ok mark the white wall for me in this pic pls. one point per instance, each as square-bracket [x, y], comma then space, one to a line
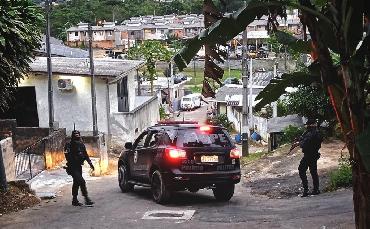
[99, 35]
[131, 93]
[70, 106]
[73, 37]
[126, 126]
[75, 106]
[261, 124]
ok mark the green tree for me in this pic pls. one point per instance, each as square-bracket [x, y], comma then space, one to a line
[335, 26]
[311, 102]
[151, 52]
[20, 30]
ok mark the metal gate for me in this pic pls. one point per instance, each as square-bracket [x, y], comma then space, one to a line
[30, 161]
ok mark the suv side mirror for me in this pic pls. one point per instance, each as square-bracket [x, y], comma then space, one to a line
[128, 145]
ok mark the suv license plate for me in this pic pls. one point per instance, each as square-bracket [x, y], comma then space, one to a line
[209, 158]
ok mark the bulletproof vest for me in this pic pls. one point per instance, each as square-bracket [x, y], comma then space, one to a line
[312, 142]
[77, 152]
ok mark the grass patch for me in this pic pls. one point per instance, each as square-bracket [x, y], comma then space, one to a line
[196, 89]
[197, 77]
[253, 157]
[342, 176]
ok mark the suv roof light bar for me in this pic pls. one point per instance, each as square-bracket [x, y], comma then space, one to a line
[175, 122]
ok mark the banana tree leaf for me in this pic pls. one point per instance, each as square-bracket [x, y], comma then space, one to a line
[352, 26]
[358, 58]
[228, 27]
[328, 29]
[276, 87]
[363, 146]
[297, 45]
[223, 30]
[207, 90]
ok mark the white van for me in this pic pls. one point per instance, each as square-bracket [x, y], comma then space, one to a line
[190, 102]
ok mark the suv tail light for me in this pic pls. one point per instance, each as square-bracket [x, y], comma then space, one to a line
[174, 153]
[235, 153]
[205, 128]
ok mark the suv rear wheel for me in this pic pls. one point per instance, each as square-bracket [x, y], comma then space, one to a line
[161, 193]
[123, 178]
[223, 192]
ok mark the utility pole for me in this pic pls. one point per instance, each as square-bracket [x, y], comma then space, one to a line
[251, 124]
[195, 73]
[228, 59]
[244, 131]
[49, 69]
[274, 104]
[92, 75]
[168, 86]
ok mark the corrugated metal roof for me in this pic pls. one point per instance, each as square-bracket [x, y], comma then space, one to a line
[278, 124]
[80, 66]
[59, 49]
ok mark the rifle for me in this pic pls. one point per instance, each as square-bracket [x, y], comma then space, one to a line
[294, 145]
[296, 141]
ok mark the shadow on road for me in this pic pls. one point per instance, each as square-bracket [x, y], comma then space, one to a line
[183, 198]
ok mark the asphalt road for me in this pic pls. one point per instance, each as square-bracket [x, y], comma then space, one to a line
[198, 115]
[114, 209]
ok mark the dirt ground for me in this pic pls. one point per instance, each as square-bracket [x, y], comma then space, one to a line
[18, 197]
[275, 175]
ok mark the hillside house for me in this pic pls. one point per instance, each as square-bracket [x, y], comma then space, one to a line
[121, 114]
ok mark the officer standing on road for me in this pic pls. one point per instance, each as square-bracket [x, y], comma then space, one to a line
[75, 153]
[310, 142]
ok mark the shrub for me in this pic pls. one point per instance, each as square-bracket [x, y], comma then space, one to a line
[162, 113]
[338, 131]
[222, 120]
[290, 133]
[342, 176]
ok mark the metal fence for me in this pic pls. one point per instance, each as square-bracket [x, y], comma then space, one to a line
[30, 161]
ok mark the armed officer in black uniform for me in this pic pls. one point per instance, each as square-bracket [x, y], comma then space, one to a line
[76, 155]
[310, 142]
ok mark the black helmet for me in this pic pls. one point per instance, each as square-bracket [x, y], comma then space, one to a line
[311, 121]
[76, 135]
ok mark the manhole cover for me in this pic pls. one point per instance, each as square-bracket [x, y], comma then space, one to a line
[166, 215]
[169, 214]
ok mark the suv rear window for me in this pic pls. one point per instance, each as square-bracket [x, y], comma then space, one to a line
[194, 137]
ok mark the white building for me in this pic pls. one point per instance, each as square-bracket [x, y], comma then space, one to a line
[121, 114]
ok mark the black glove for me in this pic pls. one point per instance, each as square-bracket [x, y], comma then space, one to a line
[92, 167]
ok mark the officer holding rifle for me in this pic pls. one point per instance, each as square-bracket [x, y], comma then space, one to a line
[310, 142]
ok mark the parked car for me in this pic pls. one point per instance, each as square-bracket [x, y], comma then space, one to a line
[179, 77]
[176, 156]
[190, 102]
[262, 54]
[232, 80]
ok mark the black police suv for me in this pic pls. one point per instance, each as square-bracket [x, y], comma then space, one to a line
[175, 156]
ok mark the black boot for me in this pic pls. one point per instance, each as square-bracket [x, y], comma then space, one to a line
[315, 192]
[88, 201]
[75, 202]
[305, 193]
